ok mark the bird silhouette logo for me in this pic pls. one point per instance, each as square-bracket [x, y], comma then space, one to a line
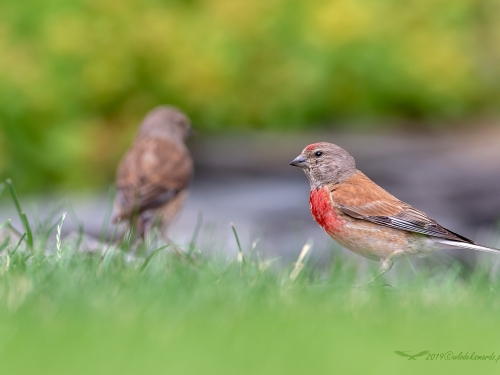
[410, 356]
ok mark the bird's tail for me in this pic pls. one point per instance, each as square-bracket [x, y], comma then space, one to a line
[466, 245]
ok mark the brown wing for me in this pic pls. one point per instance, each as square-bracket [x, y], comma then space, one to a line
[360, 198]
[152, 173]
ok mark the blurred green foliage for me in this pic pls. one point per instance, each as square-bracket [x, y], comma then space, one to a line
[76, 76]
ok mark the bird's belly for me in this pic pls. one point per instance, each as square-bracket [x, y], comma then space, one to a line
[370, 240]
[377, 242]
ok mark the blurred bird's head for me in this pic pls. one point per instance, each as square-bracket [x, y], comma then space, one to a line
[325, 163]
[166, 122]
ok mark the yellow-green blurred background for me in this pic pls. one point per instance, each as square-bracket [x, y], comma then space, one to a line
[76, 76]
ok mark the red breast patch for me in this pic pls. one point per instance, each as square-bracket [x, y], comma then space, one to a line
[323, 211]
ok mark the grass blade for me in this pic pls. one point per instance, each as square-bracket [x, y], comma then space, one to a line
[199, 223]
[14, 230]
[4, 244]
[58, 237]
[412, 267]
[22, 215]
[150, 256]
[299, 264]
[11, 253]
[49, 231]
[6, 222]
[112, 238]
[78, 224]
[107, 215]
[241, 259]
[29, 233]
[14, 196]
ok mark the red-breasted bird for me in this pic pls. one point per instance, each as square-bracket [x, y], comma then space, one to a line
[363, 217]
[153, 176]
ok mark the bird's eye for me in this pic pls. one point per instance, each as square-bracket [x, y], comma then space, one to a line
[318, 153]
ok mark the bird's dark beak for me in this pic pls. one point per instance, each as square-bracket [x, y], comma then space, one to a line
[190, 132]
[300, 162]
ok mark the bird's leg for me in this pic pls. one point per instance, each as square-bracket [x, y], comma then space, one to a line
[134, 238]
[140, 226]
[161, 224]
[385, 265]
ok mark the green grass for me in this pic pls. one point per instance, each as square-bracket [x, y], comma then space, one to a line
[64, 311]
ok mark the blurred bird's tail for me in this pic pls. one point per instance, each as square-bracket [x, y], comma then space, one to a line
[466, 245]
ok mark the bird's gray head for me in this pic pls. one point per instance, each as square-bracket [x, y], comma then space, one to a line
[325, 163]
[166, 122]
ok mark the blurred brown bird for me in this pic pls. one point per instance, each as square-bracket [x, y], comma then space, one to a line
[153, 176]
[363, 217]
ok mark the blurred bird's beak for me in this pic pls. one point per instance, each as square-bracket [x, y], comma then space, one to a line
[300, 162]
[191, 132]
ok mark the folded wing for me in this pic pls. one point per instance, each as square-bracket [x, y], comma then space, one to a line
[151, 174]
[361, 198]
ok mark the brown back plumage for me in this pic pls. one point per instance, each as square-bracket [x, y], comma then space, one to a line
[158, 166]
[361, 198]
